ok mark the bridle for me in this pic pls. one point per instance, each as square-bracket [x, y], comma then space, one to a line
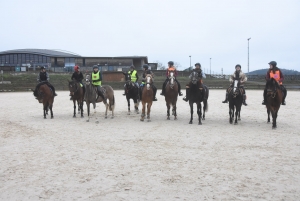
[71, 85]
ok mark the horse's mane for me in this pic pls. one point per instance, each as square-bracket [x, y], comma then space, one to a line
[272, 83]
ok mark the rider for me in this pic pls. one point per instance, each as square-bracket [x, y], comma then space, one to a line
[78, 76]
[134, 77]
[146, 72]
[169, 70]
[201, 75]
[237, 75]
[275, 72]
[43, 78]
[96, 81]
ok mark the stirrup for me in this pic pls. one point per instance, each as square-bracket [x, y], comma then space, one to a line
[244, 103]
[263, 103]
[180, 93]
[162, 94]
[283, 103]
[225, 101]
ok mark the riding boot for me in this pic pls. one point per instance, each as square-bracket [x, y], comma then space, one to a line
[163, 88]
[284, 94]
[244, 100]
[226, 98]
[179, 88]
[154, 93]
[265, 97]
[102, 96]
[187, 94]
[124, 94]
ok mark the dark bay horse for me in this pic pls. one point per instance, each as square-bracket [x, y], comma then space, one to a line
[77, 92]
[91, 96]
[235, 98]
[131, 92]
[195, 96]
[147, 97]
[171, 94]
[45, 95]
[274, 100]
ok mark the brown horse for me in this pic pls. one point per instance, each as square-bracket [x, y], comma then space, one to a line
[45, 95]
[147, 97]
[274, 100]
[171, 95]
[77, 93]
[91, 96]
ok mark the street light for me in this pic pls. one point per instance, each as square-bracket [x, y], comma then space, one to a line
[248, 53]
[210, 65]
[190, 63]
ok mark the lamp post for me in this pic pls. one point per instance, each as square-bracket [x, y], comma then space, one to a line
[190, 63]
[210, 65]
[248, 53]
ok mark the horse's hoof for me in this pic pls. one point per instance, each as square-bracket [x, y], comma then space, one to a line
[45, 118]
[137, 112]
[175, 118]
[149, 120]
[274, 127]
[112, 117]
[74, 116]
[105, 117]
[203, 118]
[200, 123]
[87, 120]
[235, 123]
[168, 118]
[52, 117]
[239, 119]
[128, 113]
[142, 119]
[82, 116]
[190, 122]
[230, 122]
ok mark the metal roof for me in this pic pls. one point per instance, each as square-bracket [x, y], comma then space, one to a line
[44, 52]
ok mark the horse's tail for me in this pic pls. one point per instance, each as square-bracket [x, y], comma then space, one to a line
[112, 104]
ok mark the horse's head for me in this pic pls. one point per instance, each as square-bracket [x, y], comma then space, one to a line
[194, 77]
[73, 86]
[272, 86]
[127, 77]
[149, 81]
[88, 80]
[171, 78]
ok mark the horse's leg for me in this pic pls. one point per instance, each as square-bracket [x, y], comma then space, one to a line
[204, 108]
[128, 104]
[81, 108]
[44, 109]
[191, 108]
[168, 110]
[230, 114]
[268, 112]
[106, 108]
[199, 112]
[174, 111]
[136, 109]
[78, 105]
[148, 111]
[74, 102]
[274, 116]
[50, 107]
[236, 115]
[88, 110]
[143, 111]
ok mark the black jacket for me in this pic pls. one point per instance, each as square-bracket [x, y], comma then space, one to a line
[77, 77]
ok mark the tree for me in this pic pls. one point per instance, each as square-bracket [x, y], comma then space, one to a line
[160, 66]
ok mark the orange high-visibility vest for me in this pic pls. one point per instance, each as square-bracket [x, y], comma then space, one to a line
[276, 76]
[170, 70]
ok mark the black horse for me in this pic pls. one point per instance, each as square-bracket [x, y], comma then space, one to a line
[131, 92]
[196, 96]
[235, 98]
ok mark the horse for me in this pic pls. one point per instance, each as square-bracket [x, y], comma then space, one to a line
[78, 95]
[92, 96]
[45, 95]
[147, 97]
[274, 100]
[195, 96]
[171, 94]
[131, 92]
[235, 98]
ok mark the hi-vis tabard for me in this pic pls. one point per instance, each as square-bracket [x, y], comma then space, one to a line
[96, 76]
[276, 76]
[133, 75]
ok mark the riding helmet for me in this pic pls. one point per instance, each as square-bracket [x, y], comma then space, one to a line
[171, 63]
[95, 67]
[132, 66]
[238, 65]
[42, 67]
[273, 63]
[145, 66]
[76, 68]
[198, 64]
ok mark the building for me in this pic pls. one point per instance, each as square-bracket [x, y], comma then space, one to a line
[62, 61]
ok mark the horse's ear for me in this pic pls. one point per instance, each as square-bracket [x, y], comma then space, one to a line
[124, 73]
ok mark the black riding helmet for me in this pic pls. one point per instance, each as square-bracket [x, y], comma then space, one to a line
[198, 64]
[95, 67]
[132, 66]
[171, 63]
[238, 65]
[43, 67]
[145, 66]
[273, 63]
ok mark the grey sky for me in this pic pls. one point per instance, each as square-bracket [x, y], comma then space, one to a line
[163, 30]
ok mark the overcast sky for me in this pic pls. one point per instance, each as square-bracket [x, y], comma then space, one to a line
[163, 30]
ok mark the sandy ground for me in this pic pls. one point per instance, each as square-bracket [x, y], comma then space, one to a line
[68, 158]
